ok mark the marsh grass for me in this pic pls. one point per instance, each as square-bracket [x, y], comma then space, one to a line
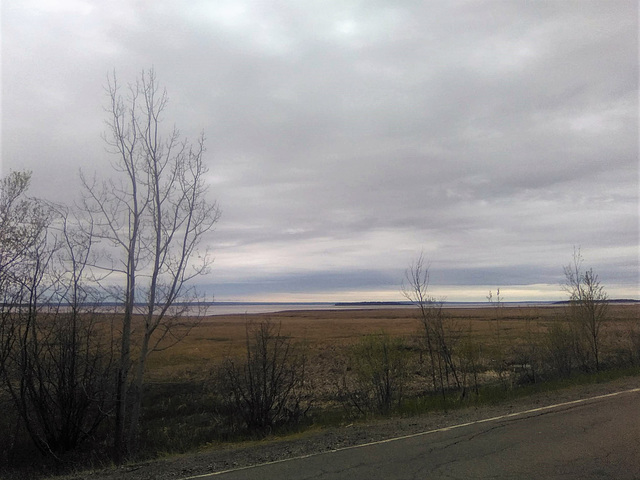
[184, 409]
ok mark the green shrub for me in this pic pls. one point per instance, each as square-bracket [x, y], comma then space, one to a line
[378, 365]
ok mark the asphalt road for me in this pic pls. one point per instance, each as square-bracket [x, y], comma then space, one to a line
[593, 439]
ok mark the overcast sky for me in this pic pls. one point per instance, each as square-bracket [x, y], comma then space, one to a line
[346, 137]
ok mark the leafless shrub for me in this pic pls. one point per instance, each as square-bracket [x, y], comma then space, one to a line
[268, 389]
[59, 376]
[441, 334]
[55, 366]
[588, 311]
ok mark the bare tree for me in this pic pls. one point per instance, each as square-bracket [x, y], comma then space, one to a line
[588, 305]
[440, 334]
[23, 222]
[415, 288]
[54, 367]
[153, 217]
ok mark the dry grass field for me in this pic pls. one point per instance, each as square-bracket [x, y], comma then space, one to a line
[187, 407]
[325, 333]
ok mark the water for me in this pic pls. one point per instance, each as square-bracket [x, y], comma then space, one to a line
[248, 308]
[241, 308]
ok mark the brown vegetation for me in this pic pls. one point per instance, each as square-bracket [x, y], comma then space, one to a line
[189, 406]
[326, 333]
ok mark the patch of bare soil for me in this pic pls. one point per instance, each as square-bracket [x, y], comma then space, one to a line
[272, 449]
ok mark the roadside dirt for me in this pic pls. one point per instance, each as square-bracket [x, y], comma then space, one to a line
[190, 466]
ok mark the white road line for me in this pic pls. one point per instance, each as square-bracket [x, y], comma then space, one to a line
[419, 434]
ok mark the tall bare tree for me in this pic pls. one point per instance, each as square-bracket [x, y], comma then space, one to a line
[153, 216]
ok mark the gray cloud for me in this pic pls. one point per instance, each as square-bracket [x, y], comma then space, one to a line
[349, 136]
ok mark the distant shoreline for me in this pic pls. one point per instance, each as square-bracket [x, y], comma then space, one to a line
[231, 308]
[249, 308]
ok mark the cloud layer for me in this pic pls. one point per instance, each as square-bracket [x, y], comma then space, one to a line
[345, 138]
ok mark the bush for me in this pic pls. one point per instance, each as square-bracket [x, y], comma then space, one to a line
[268, 389]
[588, 311]
[560, 345]
[378, 374]
[58, 376]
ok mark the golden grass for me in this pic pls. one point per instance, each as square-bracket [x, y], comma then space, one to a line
[326, 332]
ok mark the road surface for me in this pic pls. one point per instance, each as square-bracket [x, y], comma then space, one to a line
[587, 439]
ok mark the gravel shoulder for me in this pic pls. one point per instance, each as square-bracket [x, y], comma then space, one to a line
[184, 466]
